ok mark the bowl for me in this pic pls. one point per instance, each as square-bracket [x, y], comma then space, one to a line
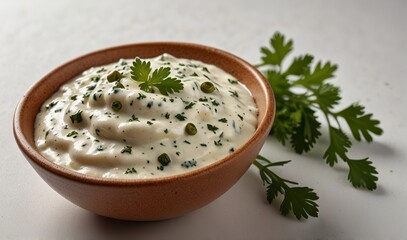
[148, 199]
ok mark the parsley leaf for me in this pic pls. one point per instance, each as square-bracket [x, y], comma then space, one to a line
[362, 173]
[360, 123]
[301, 201]
[339, 145]
[306, 132]
[159, 78]
[303, 95]
[281, 47]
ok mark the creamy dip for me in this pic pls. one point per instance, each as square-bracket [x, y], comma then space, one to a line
[113, 129]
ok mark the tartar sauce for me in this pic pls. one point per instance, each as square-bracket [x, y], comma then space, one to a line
[102, 124]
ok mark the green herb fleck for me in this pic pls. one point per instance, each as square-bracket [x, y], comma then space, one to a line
[188, 164]
[212, 128]
[189, 106]
[118, 85]
[180, 117]
[130, 170]
[141, 96]
[215, 103]
[224, 120]
[218, 143]
[234, 94]
[51, 104]
[134, 118]
[126, 149]
[77, 117]
[73, 134]
[231, 81]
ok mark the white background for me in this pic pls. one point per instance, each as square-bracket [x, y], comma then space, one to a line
[367, 39]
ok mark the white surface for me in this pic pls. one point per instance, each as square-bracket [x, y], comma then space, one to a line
[367, 39]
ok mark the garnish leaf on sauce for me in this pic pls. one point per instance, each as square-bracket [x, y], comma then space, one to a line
[141, 71]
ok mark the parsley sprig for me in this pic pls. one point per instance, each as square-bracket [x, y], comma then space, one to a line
[159, 78]
[301, 91]
[299, 200]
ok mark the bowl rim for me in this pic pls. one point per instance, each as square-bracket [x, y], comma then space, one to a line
[30, 151]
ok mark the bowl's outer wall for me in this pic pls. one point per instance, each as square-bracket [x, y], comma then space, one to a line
[159, 199]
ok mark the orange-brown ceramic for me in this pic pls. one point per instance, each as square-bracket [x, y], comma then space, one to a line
[151, 199]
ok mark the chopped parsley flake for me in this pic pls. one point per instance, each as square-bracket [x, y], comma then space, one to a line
[134, 118]
[73, 134]
[51, 104]
[77, 117]
[189, 106]
[234, 94]
[218, 143]
[126, 149]
[180, 117]
[224, 120]
[188, 164]
[141, 96]
[130, 170]
[231, 81]
[212, 128]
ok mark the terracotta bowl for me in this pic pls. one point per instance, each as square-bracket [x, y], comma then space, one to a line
[151, 199]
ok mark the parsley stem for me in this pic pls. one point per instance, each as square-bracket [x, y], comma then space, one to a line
[260, 65]
[272, 176]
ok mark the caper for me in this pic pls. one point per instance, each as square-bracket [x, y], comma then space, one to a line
[116, 106]
[207, 87]
[190, 129]
[114, 76]
[164, 159]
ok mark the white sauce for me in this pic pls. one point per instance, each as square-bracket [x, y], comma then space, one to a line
[99, 145]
